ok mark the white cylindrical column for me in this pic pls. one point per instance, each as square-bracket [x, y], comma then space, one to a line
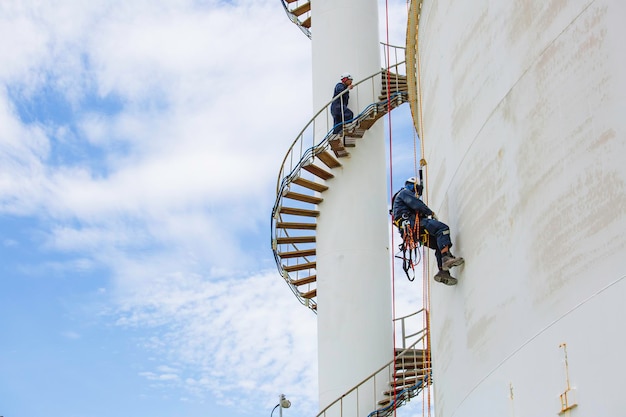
[353, 264]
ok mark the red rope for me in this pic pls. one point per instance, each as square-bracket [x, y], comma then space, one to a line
[393, 269]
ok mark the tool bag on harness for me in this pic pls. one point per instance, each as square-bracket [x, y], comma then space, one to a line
[409, 246]
[412, 239]
[412, 236]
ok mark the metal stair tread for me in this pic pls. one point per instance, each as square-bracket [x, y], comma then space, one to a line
[309, 294]
[354, 133]
[299, 267]
[411, 365]
[318, 172]
[312, 185]
[409, 381]
[349, 142]
[411, 373]
[303, 197]
[410, 359]
[303, 281]
[297, 253]
[328, 159]
[302, 9]
[410, 352]
[295, 239]
[338, 147]
[299, 212]
[296, 225]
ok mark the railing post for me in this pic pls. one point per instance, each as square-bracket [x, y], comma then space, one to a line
[403, 334]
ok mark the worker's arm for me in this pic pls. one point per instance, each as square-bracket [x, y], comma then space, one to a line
[416, 204]
[339, 88]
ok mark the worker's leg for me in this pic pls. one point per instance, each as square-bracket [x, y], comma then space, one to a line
[431, 243]
[337, 122]
[347, 114]
[441, 276]
[440, 231]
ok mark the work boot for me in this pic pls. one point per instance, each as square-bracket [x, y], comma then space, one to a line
[445, 278]
[448, 260]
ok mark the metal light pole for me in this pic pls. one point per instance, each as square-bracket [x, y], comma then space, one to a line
[282, 403]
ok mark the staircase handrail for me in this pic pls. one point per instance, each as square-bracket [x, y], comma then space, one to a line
[388, 66]
[324, 141]
[404, 336]
[386, 49]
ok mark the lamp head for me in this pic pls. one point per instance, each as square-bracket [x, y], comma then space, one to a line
[284, 403]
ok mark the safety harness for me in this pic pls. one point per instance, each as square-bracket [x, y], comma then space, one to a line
[412, 237]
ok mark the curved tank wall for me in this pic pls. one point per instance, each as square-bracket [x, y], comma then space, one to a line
[524, 133]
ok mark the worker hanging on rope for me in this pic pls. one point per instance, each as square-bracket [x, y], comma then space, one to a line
[406, 207]
[339, 107]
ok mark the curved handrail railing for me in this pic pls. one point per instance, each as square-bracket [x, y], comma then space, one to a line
[393, 56]
[370, 384]
[329, 126]
[323, 144]
[404, 333]
[296, 20]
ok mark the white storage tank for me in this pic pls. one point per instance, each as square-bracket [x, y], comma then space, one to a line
[525, 137]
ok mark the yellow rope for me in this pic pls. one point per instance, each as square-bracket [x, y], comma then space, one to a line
[414, 64]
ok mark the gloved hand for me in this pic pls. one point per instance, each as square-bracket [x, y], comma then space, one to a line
[433, 216]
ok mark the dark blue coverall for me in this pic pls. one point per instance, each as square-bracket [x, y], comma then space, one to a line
[339, 107]
[407, 206]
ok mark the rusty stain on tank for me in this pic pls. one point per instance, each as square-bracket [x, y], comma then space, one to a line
[479, 332]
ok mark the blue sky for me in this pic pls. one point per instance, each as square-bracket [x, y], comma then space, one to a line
[139, 147]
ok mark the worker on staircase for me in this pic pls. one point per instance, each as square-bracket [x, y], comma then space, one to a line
[407, 206]
[339, 107]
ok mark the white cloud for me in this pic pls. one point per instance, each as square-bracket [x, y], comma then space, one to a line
[205, 96]
[71, 335]
[226, 336]
[7, 243]
[159, 377]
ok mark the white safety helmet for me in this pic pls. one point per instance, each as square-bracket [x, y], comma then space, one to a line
[346, 75]
[412, 180]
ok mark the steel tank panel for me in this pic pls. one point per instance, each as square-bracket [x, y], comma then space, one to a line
[526, 153]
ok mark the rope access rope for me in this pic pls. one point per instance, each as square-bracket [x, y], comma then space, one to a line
[393, 286]
[423, 165]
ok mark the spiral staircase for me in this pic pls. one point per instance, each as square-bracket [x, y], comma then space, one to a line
[305, 174]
